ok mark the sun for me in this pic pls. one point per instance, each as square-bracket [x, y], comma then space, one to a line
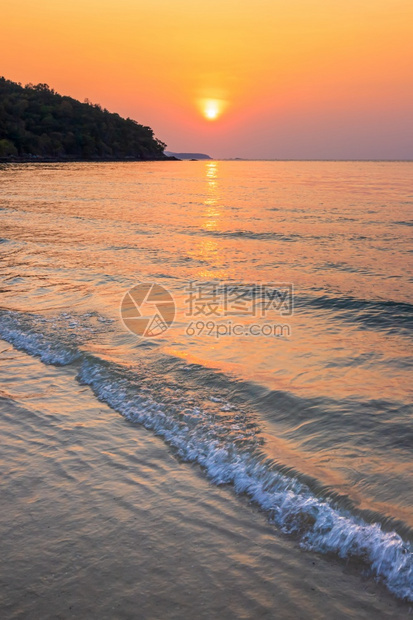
[211, 108]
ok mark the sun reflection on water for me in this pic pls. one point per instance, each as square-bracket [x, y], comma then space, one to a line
[209, 250]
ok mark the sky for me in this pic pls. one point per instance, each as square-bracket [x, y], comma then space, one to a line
[283, 79]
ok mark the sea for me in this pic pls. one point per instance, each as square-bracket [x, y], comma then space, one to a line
[205, 395]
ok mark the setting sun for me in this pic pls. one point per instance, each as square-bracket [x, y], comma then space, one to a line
[211, 109]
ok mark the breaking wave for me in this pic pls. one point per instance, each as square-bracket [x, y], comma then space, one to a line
[226, 443]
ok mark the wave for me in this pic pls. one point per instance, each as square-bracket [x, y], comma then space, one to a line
[246, 234]
[404, 222]
[36, 334]
[389, 315]
[38, 345]
[226, 443]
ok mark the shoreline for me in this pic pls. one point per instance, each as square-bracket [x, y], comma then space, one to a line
[64, 160]
[61, 160]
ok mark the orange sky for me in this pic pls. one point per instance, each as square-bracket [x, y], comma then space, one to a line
[286, 78]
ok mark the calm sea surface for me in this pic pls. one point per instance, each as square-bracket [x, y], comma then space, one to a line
[304, 432]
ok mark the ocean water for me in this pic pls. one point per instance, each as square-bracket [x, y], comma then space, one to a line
[305, 425]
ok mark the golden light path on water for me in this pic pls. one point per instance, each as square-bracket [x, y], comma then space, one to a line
[207, 249]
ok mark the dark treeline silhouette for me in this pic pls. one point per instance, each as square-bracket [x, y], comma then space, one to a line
[36, 123]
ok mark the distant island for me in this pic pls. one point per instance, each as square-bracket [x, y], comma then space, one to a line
[38, 124]
[187, 155]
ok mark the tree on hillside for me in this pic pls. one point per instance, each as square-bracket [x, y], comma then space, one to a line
[37, 122]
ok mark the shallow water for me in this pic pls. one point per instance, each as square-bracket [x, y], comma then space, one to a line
[314, 425]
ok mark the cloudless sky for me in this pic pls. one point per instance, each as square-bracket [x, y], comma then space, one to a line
[280, 78]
